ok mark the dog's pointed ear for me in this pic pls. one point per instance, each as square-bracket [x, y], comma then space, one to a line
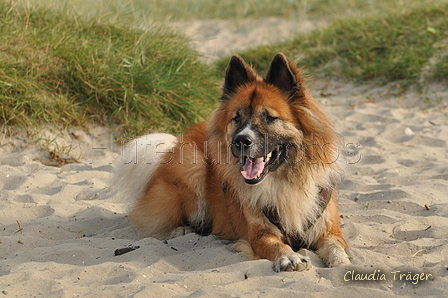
[281, 75]
[238, 73]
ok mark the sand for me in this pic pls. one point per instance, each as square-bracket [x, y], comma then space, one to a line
[218, 38]
[60, 225]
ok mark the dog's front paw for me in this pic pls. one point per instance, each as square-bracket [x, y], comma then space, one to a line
[292, 262]
[338, 258]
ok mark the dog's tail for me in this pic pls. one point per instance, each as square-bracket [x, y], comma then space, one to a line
[137, 162]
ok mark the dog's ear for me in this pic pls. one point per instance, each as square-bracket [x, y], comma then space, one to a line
[238, 73]
[281, 75]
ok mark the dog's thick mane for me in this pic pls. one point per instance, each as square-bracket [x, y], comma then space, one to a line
[288, 193]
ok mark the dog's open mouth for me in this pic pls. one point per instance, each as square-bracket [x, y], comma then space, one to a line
[256, 169]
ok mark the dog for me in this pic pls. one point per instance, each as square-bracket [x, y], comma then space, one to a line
[263, 171]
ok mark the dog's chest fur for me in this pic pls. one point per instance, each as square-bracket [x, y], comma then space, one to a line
[291, 207]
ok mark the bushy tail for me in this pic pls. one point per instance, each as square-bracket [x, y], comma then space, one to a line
[137, 162]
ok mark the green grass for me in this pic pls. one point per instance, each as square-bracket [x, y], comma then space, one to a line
[78, 62]
[440, 69]
[164, 11]
[391, 47]
[59, 69]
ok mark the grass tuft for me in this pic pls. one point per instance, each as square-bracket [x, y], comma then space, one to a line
[59, 69]
[393, 47]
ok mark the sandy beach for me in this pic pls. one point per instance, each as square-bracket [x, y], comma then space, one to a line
[61, 224]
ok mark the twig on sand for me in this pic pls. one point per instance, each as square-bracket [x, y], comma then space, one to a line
[20, 228]
[420, 253]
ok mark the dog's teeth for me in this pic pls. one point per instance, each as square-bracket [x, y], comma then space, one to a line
[269, 155]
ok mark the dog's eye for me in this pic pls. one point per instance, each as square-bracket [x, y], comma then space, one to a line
[236, 118]
[270, 118]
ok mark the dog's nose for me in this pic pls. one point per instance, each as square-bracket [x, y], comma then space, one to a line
[243, 139]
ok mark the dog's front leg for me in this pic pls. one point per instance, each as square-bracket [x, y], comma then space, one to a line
[266, 242]
[331, 245]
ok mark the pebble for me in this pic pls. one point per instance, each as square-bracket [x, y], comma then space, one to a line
[409, 131]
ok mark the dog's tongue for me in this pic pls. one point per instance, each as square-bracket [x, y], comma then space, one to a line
[252, 167]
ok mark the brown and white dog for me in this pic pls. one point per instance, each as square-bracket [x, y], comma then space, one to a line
[262, 171]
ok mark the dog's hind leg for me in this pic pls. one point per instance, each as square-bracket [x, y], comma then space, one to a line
[158, 212]
[168, 203]
[173, 195]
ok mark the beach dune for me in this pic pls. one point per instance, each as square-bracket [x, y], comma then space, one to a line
[61, 222]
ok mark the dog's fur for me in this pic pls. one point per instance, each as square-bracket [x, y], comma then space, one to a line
[263, 171]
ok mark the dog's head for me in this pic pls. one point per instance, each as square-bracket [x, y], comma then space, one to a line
[271, 121]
